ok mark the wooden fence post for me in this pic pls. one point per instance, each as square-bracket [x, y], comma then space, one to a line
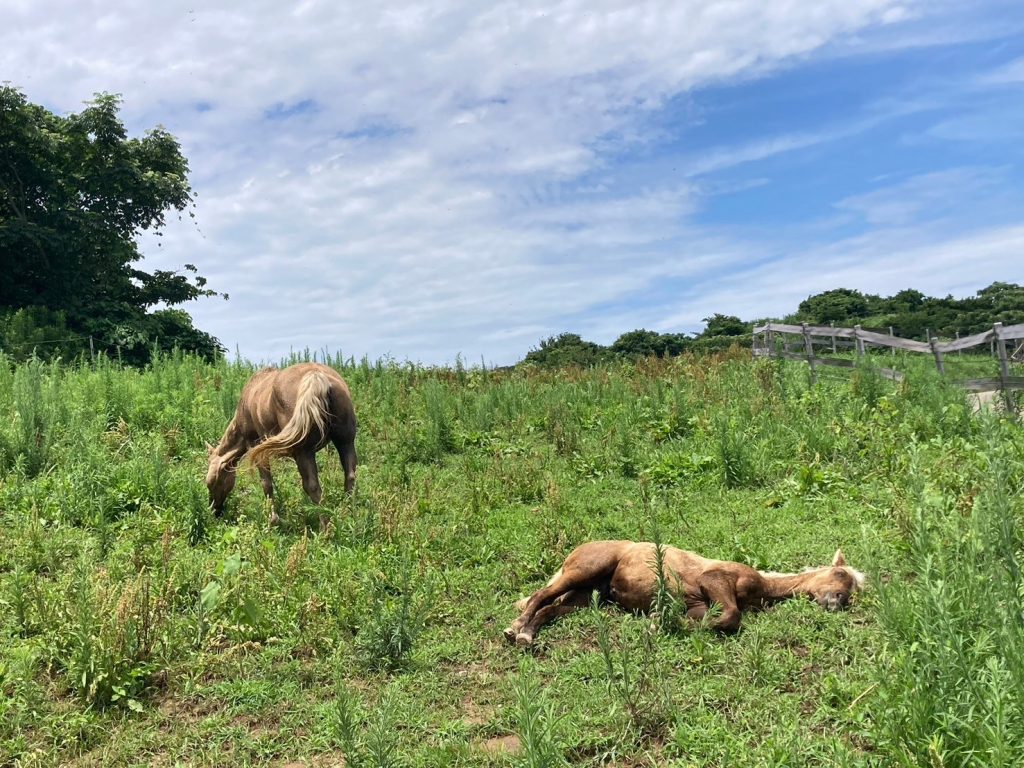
[858, 340]
[1004, 363]
[933, 342]
[959, 352]
[833, 324]
[892, 350]
[1004, 367]
[809, 350]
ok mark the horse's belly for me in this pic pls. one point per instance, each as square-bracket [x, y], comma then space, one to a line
[632, 587]
[634, 582]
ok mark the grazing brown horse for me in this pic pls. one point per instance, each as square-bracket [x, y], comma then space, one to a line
[624, 573]
[290, 412]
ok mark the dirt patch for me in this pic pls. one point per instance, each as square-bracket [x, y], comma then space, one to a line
[475, 714]
[502, 744]
[256, 725]
[332, 760]
[478, 672]
[185, 710]
[991, 401]
[985, 401]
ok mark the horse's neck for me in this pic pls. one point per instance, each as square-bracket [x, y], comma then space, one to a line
[232, 444]
[781, 586]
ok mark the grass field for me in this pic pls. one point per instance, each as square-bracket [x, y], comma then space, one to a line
[139, 630]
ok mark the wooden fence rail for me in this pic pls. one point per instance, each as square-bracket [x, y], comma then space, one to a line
[770, 340]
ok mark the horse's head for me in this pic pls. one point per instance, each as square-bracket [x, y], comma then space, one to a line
[220, 479]
[831, 587]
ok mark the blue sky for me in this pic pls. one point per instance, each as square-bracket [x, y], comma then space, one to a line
[424, 180]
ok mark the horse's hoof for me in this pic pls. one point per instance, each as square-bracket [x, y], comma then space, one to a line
[510, 634]
[275, 521]
[524, 640]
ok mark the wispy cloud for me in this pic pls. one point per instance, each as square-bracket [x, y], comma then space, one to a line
[1011, 73]
[927, 196]
[424, 179]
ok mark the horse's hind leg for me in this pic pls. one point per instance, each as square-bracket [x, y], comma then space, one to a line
[571, 601]
[267, 481]
[589, 565]
[560, 584]
[306, 462]
[347, 453]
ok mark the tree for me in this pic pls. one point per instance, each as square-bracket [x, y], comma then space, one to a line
[75, 193]
[1002, 297]
[644, 343]
[566, 349]
[907, 300]
[725, 325]
[673, 344]
[36, 329]
[837, 305]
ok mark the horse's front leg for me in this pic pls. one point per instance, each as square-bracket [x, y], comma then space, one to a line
[306, 462]
[267, 481]
[720, 588]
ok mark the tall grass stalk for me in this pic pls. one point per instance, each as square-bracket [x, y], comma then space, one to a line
[633, 675]
[367, 739]
[394, 624]
[536, 722]
[666, 609]
[735, 455]
[953, 691]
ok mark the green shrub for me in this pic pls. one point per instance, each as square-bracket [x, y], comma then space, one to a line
[389, 634]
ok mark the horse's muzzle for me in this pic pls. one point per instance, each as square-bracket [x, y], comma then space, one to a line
[834, 601]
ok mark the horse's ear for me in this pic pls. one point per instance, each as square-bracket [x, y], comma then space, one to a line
[209, 448]
[838, 560]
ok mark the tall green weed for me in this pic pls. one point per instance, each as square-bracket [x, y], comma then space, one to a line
[952, 689]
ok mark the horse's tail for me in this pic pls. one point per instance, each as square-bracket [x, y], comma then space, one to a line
[312, 405]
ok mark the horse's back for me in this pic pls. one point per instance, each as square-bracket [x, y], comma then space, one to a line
[269, 397]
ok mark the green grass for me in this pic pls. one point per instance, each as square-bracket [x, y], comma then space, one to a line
[137, 629]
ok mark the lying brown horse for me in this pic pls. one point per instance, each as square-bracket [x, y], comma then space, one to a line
[290, 412]
[624, 572]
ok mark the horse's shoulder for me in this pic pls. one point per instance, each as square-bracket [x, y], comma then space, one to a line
[260, 377]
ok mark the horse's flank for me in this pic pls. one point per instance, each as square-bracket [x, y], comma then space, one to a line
[308, 420]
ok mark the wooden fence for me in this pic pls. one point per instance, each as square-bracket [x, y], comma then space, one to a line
[776, 340]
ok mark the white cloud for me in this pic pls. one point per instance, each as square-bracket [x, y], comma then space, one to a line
[882, 262]
[419, 178]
